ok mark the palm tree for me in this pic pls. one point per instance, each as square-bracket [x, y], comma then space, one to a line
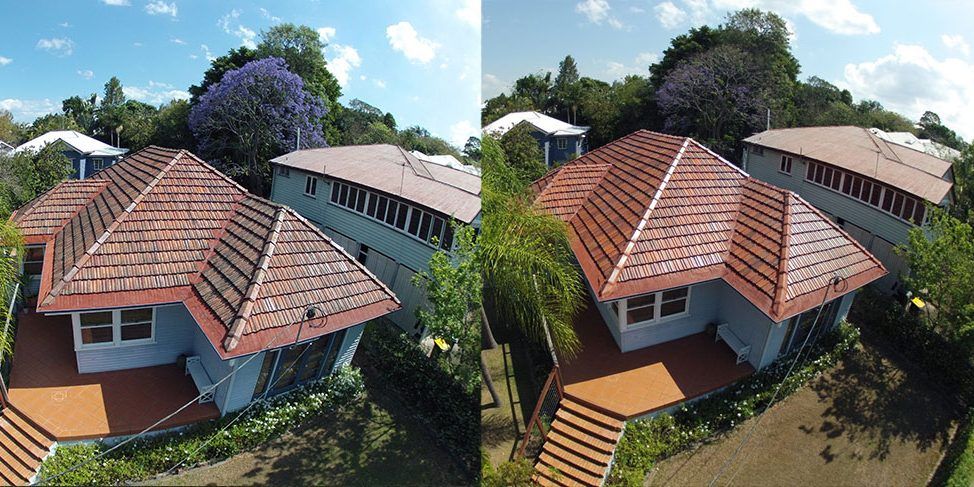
[529, 273]
[11, 250]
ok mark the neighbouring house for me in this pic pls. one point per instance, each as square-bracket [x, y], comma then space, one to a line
[158, 260]
[446, 160]
[697, 274]
[874, 189]
[907, 139]
[385, 206]
[5, 148]
[559, 141]
[87, 155]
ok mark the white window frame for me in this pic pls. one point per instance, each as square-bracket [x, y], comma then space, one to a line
[790, 164]
[24, 261]
[311, 182]
[284, 171]
[97, 164]
[116, 326]
[561, 143]
[874, 184]
[622, 310]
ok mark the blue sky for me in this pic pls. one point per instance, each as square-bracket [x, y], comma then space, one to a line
[419, 59]
[910, 56]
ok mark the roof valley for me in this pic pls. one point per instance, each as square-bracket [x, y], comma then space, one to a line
[78, 264]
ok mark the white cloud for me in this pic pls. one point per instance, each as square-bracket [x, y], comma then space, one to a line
[117, 3]
[836, 16]
[86, 73]
[5, 61]
[326, 33]
[158, 7]
[155, 93]
[469, 13]
[176, 40]
[60, 46]
[137, 44]
[461, 131]
[404, 38]
[669, 15]
[910, 81]
[379, 83]
[28, 110]
[224, 22]
[206, 52]
[246, 35]
[65, 25]
[491, 85]
[640, 66]
[267, 15]
[957, 42]
[597, 11]
[344, 60]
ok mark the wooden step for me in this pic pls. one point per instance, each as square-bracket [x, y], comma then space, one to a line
[10, 477]
[15, 464]
[584, 438]
[574, 446]
[569, 470]
[23, 447]
[577, 461]
[24, 441]
[543, 475]
[602, 419]
[587, 426]
[39, 437]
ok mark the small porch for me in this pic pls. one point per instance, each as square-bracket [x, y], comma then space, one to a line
[632, 384]
[46, 386]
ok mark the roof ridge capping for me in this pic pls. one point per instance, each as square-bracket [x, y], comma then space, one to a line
[56, 289]
[781, 286]
[250, 298]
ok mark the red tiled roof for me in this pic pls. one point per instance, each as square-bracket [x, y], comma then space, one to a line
[161, 226]
[652, 211]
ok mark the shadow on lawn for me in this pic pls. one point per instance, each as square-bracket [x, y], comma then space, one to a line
[877, 398]
[372, 443]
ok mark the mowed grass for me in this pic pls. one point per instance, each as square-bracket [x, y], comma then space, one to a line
[375, 442]
[874, 420]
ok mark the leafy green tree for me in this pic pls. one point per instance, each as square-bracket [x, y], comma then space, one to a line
[453, 287]
[522, 153]
[537, 88]
[525, 256]
[171, 126]
[418, 138]
[110, 110]
[27, 174]
[932, 128]
[12, 244]
[233, 59]
[963, 207]
[566, 90]
[50, 122]
[137, 124]
[10, 132]
[503, 104]
[941, 258]
[683, 47]
[301, 48]
[82, 111]
[472, 148]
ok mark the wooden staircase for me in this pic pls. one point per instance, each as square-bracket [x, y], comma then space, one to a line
[578, 448]
[23, 446]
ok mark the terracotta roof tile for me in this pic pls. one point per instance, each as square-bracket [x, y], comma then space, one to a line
[652, 211]
[162, 226]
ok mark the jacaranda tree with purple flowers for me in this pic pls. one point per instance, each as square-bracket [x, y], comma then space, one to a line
[253, 114]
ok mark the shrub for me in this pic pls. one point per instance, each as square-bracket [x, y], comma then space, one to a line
[146, 457]
[449, 412]
[647, 441]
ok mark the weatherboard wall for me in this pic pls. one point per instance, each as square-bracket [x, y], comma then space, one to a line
[348, 347]
[174, 336]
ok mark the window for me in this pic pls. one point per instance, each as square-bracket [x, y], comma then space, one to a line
[785, 165]
[757, 150]
[289, 366]
[311, 186]
[265, 371]
[33, 260]
[114, 328]
[284, 171]
[886, 199]
[656, 306]
[363, 254]
[97, 164]
[561, 143]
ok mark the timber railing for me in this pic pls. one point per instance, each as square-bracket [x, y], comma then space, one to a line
[11, 310]
[544, 413]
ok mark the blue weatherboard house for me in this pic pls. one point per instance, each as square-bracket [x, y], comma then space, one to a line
[87, 155]
[559, 141]
[386, 207]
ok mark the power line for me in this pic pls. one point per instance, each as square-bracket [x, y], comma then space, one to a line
[177, 411]
[832, 283]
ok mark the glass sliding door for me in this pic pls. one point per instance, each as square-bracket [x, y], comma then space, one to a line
[298, 364]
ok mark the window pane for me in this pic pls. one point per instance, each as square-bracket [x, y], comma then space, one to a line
[373, 201]
[447, 242]
[34, 253]
[380, 210]
[867, 188]
[908, 208]
[675, 293]
[401, 218]
[391, 214]
[827, 180]
[101, 334]
[810, 171]
[33, 268]
[918, 214]
[898, 204]
[646, 300]
[673, 307]
[287, 368]
[352, 197]
[136, 332]
[136, 315]
[335, 191]
[344, 199]
[887, 200]
[414, 222]
[314, 358]
[836, 180]
[424, 228]
[819, 173]
[876, 195]
[265, 372]
[856, 187]
[360, 204]
[95, 319]
[436, 232]
[333, 352]
[847, 184]
[640, 314]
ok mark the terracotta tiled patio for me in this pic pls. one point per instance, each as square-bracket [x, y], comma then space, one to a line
[45, 385]
[628, 385]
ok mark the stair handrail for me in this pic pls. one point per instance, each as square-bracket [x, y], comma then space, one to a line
[535, 421]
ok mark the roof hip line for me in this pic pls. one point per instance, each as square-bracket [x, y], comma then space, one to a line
[56, 290]
[645, 219]
[781, 291]
[243, 316]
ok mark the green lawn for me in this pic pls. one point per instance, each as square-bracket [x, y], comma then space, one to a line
[873, 420]
[375, 442]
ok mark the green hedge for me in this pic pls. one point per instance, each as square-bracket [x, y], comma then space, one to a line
[451, 415]
[144, 458]
[948, 363]
[647, 441]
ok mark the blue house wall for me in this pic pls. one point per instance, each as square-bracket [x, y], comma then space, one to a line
[78, 160]
[559, 156]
